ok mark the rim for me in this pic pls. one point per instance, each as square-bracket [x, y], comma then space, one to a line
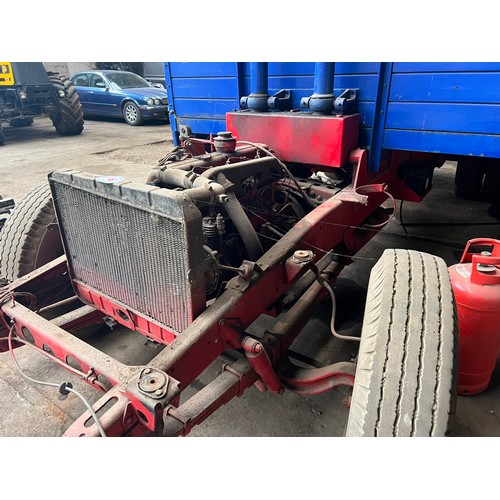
[131, 113]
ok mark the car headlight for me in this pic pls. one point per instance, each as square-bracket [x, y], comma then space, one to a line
[164, 100]
[157, 101]
[149, 102]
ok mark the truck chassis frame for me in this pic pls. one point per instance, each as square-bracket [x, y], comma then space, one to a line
[145, 399]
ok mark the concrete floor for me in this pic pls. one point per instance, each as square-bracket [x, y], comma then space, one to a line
[112, 147]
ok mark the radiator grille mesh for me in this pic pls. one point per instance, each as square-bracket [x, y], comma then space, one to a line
[133, 255]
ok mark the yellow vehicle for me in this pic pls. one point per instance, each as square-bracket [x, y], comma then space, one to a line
[28, 91]
[6, 75]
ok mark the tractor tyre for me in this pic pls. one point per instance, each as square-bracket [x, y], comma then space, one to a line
[68, 120]
[30, 236]
[407, 371]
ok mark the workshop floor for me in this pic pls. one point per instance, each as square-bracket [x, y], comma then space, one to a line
[114, 148]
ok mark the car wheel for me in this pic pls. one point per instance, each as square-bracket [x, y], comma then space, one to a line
[132, 113]
[407, 369]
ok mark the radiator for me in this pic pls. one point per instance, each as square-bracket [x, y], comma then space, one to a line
[139, 245]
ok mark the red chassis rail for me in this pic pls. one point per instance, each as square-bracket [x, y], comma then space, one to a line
[146, 399]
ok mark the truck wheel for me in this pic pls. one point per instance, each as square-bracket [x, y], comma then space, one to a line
[69, 117]
[30, 236]
[469, 177]
[407, 373]
[21, 122]
[491, 182]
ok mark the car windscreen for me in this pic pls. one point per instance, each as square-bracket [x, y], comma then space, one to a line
[127, 81]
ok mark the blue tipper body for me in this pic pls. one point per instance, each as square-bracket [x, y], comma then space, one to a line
[448, 108]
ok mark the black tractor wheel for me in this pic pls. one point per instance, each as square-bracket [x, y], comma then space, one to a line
[68, 120]
[132, 114]
[407, 371]
[30, 236]
[21, 122]
[2, 137]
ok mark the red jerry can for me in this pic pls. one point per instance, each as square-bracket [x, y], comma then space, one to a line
[476, 285]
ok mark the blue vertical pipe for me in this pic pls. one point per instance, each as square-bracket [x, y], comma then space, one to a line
[323, 78]
[257, 100]
[322, 101]
[258, 79]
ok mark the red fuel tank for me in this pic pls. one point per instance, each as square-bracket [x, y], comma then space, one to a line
[476, 284]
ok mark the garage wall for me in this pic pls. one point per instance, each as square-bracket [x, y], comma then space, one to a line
[68, 68]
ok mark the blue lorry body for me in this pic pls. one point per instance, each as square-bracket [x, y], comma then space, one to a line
[452, 108]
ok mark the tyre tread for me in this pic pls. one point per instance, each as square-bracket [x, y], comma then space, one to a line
[21, 234]
[406, 375]
[69, 120]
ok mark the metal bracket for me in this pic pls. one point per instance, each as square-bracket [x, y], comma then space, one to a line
[352, 197]
[347, 102]
[228, 368]
[173, 412]
[185, 131]
[281, 100]
[248, 269]
[231, 332]
[153, 383]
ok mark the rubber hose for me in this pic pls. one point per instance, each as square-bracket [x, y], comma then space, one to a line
[244, 226]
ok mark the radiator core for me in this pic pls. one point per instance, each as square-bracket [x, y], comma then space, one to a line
[139, 245]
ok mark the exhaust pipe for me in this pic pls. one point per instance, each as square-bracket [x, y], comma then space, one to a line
[322, 101]
[257, 100]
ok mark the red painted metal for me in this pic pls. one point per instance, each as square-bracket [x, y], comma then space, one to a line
[317, 380]
[45, 334]
[232, 382]
[116, 414]
[125, 316]
[316, 140]
[259, 359]
[476, 285]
